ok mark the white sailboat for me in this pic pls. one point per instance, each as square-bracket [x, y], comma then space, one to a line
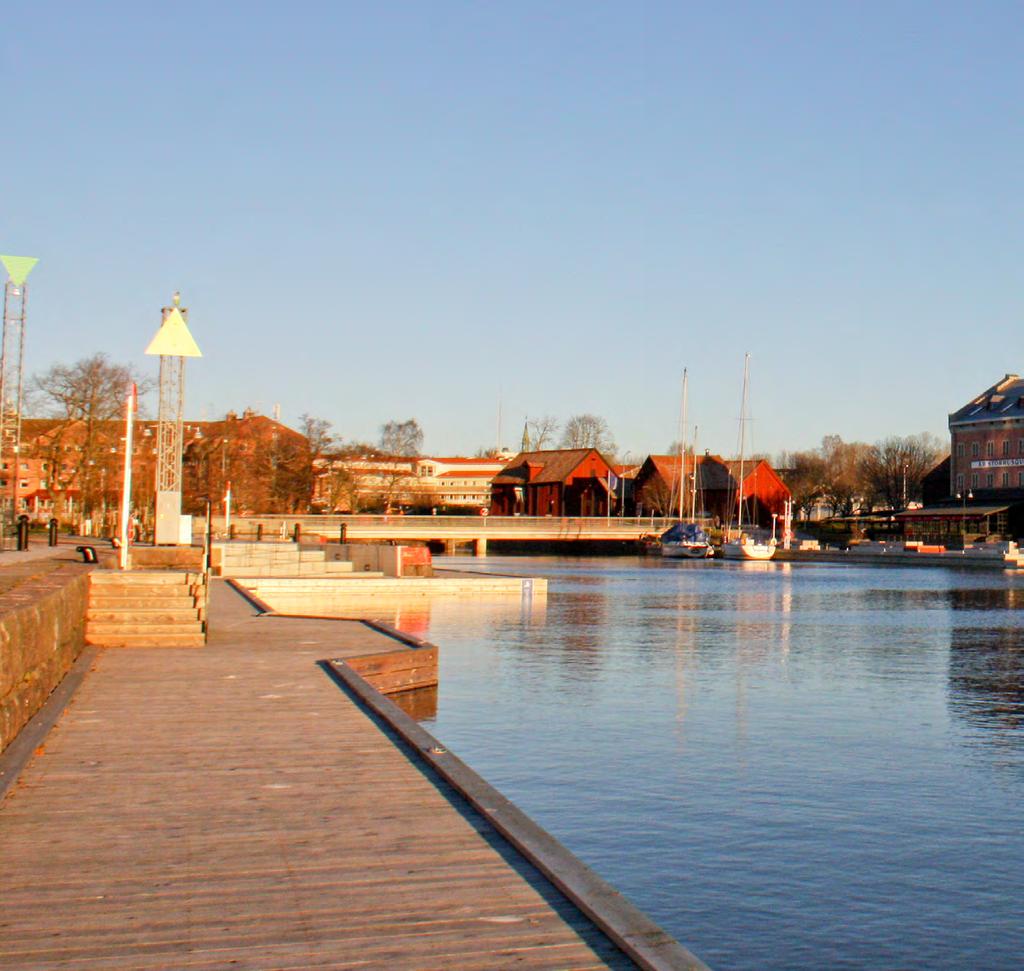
[744, 546]
[686, 540]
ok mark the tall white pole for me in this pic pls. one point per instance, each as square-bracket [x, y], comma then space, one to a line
[682, 448]
[130, 407]
[743, 440]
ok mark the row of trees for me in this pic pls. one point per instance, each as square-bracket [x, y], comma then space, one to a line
[89, 397]
[847, 476]
[579, 431]
[79, 447]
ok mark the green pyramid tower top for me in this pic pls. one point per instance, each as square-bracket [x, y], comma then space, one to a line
[18, 267]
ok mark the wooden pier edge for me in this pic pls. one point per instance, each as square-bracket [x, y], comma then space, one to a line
[17, 755]
[246, 594]
[633, 932]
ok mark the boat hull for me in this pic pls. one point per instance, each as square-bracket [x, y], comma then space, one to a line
[746, 550]
[686, 551]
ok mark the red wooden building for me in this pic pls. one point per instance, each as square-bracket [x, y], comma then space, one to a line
[657, 488]
[559, 482]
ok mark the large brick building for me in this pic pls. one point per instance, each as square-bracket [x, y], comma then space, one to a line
[72, 470]
[985, 478]
[987, 443]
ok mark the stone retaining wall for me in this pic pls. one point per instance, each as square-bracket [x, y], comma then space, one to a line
[42, 632]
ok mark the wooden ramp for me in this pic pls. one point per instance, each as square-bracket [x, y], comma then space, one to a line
[233, 808]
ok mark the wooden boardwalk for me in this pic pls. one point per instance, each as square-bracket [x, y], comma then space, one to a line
[232, 807]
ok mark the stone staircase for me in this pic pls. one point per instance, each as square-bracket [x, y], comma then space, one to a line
[146, 608]
[277, 559]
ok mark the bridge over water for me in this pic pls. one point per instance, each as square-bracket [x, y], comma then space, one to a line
[450, 530]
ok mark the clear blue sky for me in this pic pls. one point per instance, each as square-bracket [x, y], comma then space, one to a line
[390, 210]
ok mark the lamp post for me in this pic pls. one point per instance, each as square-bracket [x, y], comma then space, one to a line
[963, 516]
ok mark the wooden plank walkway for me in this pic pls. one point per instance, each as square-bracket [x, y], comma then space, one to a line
[231, 807]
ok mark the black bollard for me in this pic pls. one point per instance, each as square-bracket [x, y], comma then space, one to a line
[231, 531]
[23, 532]
[342, 532]
[259, 532]
[52, 529]
[297, 534]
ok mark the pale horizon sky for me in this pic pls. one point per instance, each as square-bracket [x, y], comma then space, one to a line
[394, 210]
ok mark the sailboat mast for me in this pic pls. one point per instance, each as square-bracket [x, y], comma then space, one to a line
[743, 439]
[682, 448]
[693, 492]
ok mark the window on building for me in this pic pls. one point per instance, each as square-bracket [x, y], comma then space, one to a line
[1006, 479]
[960, 449]
[1006, 448]
[975, 450]
[1020, 479]
[974, 480]
[23, 484]
[960, 481]
[990, 480]
[990, 449]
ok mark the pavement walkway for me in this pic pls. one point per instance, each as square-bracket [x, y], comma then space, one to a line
[231, 807]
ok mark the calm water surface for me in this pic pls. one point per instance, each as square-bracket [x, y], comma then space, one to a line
[786, 766]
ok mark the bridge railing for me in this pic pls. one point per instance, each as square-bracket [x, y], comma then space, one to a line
[283, 526]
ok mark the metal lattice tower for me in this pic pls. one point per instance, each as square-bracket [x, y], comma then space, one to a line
[12, 377]
[170, 417]
[173, 343]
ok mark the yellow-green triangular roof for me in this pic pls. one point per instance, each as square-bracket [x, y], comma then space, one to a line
[18, 267]
[173, 338]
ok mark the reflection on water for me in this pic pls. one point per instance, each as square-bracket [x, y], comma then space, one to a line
[420, 703]
[788, 766]
[986, 669]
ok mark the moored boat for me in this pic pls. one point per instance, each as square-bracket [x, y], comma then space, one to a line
[744, 546]
[686, 541]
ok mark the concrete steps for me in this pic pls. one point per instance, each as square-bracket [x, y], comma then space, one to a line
[146, 609]
[274, 559]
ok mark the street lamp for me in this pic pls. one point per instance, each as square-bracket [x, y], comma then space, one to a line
[963, 516]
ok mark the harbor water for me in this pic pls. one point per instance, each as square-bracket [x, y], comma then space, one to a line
[787, 766]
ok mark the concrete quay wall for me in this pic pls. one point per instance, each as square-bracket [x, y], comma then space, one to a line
[301, 595]
[42, 632]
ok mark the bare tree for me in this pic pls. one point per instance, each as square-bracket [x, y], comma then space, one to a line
[892, 470]
[588, 431]
[317, 432]
[842, 486]
[86, 398]
[543, 432]
[805, 479]
[401, 438]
